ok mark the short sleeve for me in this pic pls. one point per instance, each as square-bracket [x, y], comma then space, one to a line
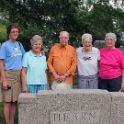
[25, 60]
[3, 52]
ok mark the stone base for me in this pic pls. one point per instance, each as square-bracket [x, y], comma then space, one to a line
[72, 107]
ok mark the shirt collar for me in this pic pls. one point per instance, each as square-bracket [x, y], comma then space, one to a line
[63, 47]
[32, 54]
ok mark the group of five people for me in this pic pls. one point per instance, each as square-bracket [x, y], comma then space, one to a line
[107, 65]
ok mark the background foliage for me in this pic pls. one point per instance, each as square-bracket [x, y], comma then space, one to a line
[48, 17]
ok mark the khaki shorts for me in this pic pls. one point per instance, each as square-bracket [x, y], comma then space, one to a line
[61, 86]
[11, 95]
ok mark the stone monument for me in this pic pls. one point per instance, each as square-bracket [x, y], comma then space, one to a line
[66, 107]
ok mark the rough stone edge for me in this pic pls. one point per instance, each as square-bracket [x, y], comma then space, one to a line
[74, 91]
[27, 98]
[115, 96]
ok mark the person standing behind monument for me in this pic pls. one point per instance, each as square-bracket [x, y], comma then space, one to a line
[87, 64]
[111, 65]
[34, 76]
[11, 53]
[62, 63]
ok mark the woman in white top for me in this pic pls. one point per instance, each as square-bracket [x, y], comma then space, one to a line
[88, 57]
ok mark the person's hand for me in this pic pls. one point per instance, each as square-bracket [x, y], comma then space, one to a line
[122, 87]
[62, 78]
[24, 90]
[48, 88]
[5, 84]
[57, 77]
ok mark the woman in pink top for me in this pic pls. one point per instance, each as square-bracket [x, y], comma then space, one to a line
[111, 65]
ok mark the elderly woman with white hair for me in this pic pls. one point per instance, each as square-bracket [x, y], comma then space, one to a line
[34, 65]
[88, 57]
[111, 65]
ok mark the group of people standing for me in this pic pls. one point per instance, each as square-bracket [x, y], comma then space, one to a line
[27, 72]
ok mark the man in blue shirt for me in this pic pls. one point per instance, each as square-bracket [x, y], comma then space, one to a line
[11, 53]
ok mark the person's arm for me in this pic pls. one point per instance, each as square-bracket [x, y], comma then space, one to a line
[24, 73]
[122, 66]
[50, 66]
[72, 68]
[3, 75]
[50, 60]
[122, 84]
[3, 56]
[23, 79]
[98, 61]
[47, 81]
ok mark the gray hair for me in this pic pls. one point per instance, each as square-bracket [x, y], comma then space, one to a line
[36, 38]
[86, 35]
[64, 32]
[111, 35]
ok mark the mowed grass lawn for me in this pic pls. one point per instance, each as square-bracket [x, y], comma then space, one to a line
[2, 121]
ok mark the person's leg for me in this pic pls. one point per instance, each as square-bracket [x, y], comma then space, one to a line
[93, 83]
[12, 112]
[103, 84]
[82, 83]
[31, 88]
[41, 87]
[7, 112]
[115, 84]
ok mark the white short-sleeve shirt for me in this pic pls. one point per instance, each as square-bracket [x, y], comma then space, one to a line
[87, 61]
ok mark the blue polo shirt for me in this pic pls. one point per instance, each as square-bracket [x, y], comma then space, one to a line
[11, 53]
[36, 68]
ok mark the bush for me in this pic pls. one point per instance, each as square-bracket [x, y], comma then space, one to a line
[3, 34]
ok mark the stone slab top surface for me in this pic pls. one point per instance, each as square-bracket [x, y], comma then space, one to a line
[27, 98]
[117, 94]
[74, 91]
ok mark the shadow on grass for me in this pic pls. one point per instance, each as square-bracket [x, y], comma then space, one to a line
[2, 120]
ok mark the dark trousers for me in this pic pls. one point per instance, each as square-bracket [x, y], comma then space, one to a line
[112, 85]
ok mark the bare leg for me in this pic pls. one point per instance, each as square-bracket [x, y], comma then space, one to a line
[12, 112]
[7, 112]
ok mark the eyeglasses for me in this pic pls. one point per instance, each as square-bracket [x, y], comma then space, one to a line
[14, 32]
[37, 44]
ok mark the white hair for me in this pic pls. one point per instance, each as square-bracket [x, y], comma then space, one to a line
[86, 35]
[64, 32]
[111, 35]
[36, 38]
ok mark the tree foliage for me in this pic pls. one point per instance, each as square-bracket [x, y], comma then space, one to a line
[48, 17]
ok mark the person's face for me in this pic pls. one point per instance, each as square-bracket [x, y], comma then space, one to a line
[63, 38]
[36, 47]
[14, 33]
[87, 44]
[110, 42]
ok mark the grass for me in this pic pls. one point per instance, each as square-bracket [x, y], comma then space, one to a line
[2, 120]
